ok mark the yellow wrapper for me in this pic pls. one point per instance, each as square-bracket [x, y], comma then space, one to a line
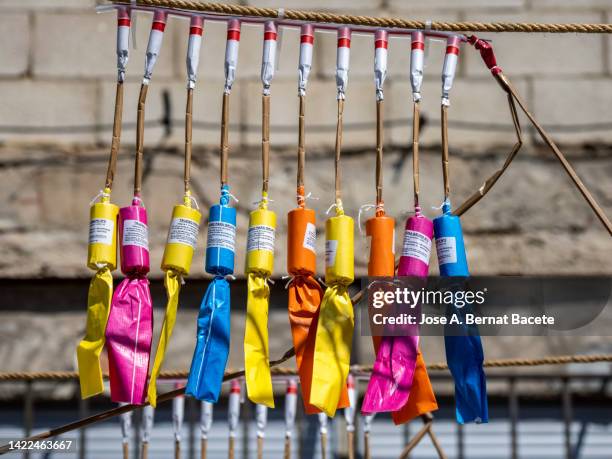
[339, 250]
[182, 239]
[102, 249]
[172, 282]
[89, 349]
[332, 353]
[256, 353]
[260, 243]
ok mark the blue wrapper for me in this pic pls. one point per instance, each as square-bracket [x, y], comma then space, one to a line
[464, 353]
[213, 340]
[221, 237]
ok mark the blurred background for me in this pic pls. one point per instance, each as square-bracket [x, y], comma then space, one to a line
[57, 82]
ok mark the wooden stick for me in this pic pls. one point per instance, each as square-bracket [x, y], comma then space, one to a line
[203, 446]
[188, 136]
[323, 446]
[265, 142]
[350, 446]
[287, 449]
[140, 139]
[366, 446]
[379, 151]
[301, 142]
[224, 147]
[126, 451]
[415, 440]
[145, 450]
[260, 447]
[177, 449]
[116, 141]
[416, 129]
[445, 168]
[230, 451]
[338, 148]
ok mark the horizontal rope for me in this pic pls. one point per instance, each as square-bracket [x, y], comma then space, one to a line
[494, 363]
[370, 21]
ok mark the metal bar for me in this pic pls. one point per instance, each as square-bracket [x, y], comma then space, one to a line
[513, 411]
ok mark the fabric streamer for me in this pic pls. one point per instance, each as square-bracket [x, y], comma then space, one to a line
[185, 222]
[213, 336]
[178, 415]
[233, 416]
[464, 353]
[261, 421]
[129, 331]
[290, 411]
[102, 247]
[148, 414]
[416, 251]
[206, 419]
[336, 320]
[304, 291]
[260, 252]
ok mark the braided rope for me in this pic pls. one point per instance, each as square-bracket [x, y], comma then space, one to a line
[370, 21]
[284, 371]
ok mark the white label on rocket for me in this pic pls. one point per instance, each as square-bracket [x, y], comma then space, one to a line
[447, 250]
[183, 231]
[135, 233]
[310, 238]
[261, 237]
[331, 246]
[101, 231]
[221, 235]
[417, 245]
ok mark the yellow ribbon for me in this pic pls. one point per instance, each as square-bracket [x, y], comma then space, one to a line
[332, 349]
[256, 352]
[88, 351]
[172, 282]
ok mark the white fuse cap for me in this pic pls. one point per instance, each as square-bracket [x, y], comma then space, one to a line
[322, 423]
[417, 63]
[126, 425]
[231, 53]
[450, 67]
[290, 407]
[381, 44]
[206, 418]
[306, 45]
[349, 412]
[343, 55]
[367, 422]
[155, 41]
[123, 41]
[178, 414]
[196, 28]
[148, 413]
[261, 419]
[234, 407]
[268, 60]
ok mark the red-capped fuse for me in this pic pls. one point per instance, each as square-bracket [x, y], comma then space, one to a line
[349, 412]
[306, 45]
[381, 43]
[450, 66]
[231, 53]
[123, 41]
[155, 41]
[268, 60]
[196, 28]
[290, 407]
[233, 408]
[417, 63]
[343, 55]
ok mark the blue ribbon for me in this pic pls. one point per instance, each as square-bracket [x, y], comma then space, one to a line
[464, 353]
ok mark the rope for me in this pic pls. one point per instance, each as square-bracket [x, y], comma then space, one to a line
[370, 21]
[495, 363]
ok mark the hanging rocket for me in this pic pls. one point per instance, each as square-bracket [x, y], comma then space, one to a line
[304, 291]
[349, 417]
[126, 426]
[290, 410]
[464, 353]
[206, 419]
[148, 414]
[233, 415]
[261, 421]
[416, 251]
[129, 330]
[260, 251]
[178, 415]
[102, 247]
[336, 320]
[213, 331]
[185, 221]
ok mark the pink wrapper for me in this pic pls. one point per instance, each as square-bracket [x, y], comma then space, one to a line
[417, 247]
[129, 332]
[134, 239]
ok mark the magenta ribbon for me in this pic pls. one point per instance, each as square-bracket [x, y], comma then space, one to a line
[129, 333]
